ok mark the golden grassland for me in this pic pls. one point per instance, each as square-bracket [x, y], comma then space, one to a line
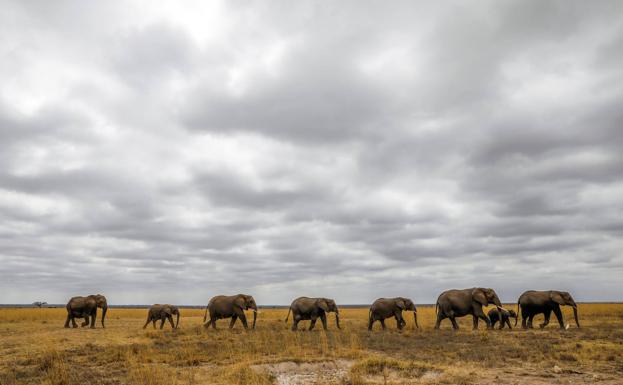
[36, 349]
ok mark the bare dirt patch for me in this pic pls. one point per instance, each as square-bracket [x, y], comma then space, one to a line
[293, 373]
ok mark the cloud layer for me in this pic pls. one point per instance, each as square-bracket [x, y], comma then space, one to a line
[351, 150]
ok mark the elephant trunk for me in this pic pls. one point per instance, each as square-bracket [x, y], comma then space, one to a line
[496, 302]
[254, 316]
[415, 319]
[337, 318]
[177, 321]
[104, 310]
[575, 315]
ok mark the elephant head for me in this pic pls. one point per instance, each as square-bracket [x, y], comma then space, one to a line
[328, 305]
[513, 314]
[564, 298]
[407, 304]
[101, 302]
[246, 302]
[486, 296]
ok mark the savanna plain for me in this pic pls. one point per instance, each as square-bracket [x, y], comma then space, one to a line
[36, 349]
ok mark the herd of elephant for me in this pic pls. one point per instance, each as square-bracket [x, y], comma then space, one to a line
[450, 304]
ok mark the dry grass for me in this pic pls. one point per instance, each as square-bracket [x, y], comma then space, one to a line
[35, 348]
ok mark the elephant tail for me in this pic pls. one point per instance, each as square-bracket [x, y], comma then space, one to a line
[437, 308]
[205, 316]
[288, 316]
[517, 315]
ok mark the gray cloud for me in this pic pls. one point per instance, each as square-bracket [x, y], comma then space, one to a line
[354, 150]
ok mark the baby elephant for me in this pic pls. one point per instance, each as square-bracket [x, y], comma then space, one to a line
[506, 314]
[162, 313]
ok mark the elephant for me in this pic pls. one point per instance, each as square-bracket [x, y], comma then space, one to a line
[305, 308]
[494, 317]
[458, 303]
[86, 307]
[162, 313]
[535, 302]
[232, 307]
[384, 308]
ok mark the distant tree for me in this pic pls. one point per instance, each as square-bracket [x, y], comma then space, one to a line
[39, 303]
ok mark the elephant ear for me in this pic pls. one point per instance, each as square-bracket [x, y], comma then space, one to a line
[400, 303]
[556, 297]
[167, 310]
[322, 304]
[479, 296]
[240, 301]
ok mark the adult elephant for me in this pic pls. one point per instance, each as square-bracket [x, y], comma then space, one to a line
[458, 303]
[163, 312]
[86, 307]
[535, 302]
[384, 308]
[306, 308]
[233, 307]
[494, 317]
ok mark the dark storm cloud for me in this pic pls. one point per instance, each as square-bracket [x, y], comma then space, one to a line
[351, 150]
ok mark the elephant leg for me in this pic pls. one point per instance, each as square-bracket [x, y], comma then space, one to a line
[455, 325]
[295, 322]
[86, 321]
[312, 323]
[478, 313]
[243, 319]
[547, 314]
[67, 320]
[440, 317]
[508, 322]
[382, 323]
[233, 321]
[493, 322]
[524, 319]
[170, 317]
[213, 322]
[323, 319]
[474, 322]
[93, 318]
[73, 321]
[370, 323]
[153, 323]
[162, 320]
[398, 322]
[530, 319]
[502, 323]
[558, 315]
[147, 323]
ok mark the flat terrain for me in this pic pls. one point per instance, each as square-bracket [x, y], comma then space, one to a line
[35, 348]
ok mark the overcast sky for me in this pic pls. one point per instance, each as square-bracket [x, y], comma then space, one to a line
[353, 150]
